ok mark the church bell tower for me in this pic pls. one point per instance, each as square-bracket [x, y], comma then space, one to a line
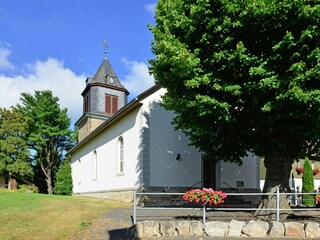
[103, 96]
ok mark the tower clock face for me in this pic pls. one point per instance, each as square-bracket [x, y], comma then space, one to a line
[111, 81]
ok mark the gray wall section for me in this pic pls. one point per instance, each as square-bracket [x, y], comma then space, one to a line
[97, 98]
[145, 157]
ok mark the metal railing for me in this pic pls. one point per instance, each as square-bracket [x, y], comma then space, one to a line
[204, 208]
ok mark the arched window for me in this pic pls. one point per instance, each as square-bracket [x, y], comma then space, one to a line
[79, 171]
[94, 165]
[120, 156]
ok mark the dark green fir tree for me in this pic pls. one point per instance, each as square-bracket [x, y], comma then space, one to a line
[307, 184]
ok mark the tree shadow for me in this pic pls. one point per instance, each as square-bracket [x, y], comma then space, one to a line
[123, 233]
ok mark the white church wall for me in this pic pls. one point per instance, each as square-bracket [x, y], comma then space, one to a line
[297, 184]
[105, 146]
[231, 175]
[165, 144]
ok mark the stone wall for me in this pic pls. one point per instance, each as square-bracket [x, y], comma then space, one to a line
[121, 195]
[234, 228]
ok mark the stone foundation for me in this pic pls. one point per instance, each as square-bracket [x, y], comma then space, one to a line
[234, 228]
[118, 195]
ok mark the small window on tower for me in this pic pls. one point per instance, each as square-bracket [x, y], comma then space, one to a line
[111, 104]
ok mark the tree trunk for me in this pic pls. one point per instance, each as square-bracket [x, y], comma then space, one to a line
[49, 182]
[12, 183]
[277, 176]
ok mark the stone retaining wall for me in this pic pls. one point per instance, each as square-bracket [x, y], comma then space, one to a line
[234, 228]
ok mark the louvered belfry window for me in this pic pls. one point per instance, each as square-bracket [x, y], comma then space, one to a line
[111, 103]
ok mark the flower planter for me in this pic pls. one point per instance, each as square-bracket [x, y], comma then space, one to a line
[299, 170]
[205, 196]
[316, 171]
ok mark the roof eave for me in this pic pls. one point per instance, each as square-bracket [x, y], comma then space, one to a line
[135, 103]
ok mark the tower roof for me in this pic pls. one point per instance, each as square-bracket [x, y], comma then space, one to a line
[105, 76]
[104, 70]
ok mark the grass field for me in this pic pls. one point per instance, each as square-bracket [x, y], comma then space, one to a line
[40, 216]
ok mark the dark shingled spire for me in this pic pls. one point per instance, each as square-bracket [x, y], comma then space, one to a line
[106, 75]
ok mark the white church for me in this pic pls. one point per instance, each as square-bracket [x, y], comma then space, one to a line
[133, 146]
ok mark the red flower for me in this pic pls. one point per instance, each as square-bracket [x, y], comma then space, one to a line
[299, 170]
[205, 196]
[316, 171]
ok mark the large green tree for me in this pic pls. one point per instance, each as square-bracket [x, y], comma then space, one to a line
[49, 135]
[242, 76]
[14, 153]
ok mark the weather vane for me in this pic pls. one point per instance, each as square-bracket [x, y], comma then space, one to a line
[105, 46]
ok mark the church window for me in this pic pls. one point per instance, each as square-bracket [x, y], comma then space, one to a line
[86, 104]
[79, 171]
[111, 103]
[94, 165]
[120, 156]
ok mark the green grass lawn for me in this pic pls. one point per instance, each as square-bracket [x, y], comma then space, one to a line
[40, 216]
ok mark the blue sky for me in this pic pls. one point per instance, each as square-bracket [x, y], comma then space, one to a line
[56, 44]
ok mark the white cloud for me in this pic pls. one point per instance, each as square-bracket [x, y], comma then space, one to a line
[138, 79]
[45, 75]
[51, 74]
[5, 64]
[150, 7]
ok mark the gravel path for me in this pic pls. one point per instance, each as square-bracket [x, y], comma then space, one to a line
[114, 224]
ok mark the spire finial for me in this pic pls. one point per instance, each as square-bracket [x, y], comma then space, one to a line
[105, 47]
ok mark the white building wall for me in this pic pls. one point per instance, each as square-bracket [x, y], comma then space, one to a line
[165, 145]
[297, 184]
[106, 148]
[151, 147]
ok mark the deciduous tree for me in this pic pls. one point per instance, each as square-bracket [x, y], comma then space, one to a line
[242, 76]
[14, 153]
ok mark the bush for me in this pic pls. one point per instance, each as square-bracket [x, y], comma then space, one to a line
[28, 188]
[63, 183]
[307, 184]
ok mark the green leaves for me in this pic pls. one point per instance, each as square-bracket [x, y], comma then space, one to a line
[14, 153]
[48, 130]
[241, 75]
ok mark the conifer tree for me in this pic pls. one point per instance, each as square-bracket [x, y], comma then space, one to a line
[307, 184]
[48, 135]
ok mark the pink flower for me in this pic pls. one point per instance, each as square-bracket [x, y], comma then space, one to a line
[205, 196]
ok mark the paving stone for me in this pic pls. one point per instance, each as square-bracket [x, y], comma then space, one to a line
[256, 228]
[196, 228]
[294, 229]
[216, 229]
[312, 230]
[183, 228]
[277, 229]
[235, 228]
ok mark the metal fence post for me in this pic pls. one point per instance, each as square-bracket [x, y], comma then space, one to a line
[134, 207]
[278, 204]
[204, 214]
